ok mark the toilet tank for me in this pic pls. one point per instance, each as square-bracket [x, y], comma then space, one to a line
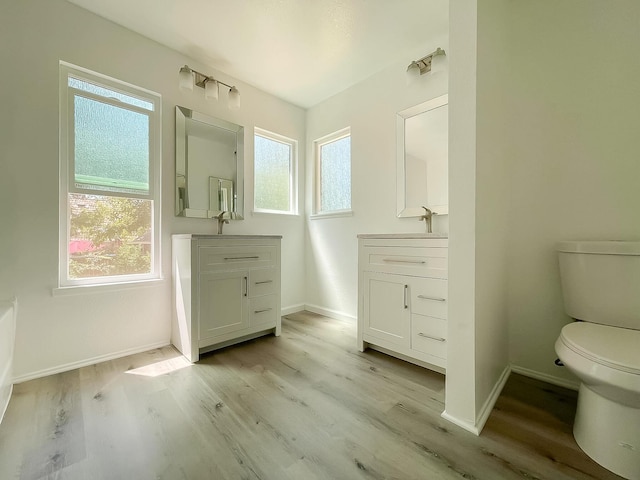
[601, 281]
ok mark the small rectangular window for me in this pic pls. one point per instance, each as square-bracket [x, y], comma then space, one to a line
[333, 173]
[109, 180]
[275, 159]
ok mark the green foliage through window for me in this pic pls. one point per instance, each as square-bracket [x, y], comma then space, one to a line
[110, 155]
[109, 236]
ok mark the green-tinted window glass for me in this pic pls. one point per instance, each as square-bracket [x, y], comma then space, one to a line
[335, 175]
[272, 174]
[111, 147]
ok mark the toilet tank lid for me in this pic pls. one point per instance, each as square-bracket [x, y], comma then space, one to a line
[602, 247]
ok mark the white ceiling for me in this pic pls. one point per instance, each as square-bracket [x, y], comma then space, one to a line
[303, 51]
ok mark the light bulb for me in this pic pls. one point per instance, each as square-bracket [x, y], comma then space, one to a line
[438, 62]
[211, 89]
[186, 78]
[234, 98]
[413, 73]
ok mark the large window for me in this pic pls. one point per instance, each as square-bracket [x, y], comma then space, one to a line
[109, 180]
[275, 160]
[333, 173]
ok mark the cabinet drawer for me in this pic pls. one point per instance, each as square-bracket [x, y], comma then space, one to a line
[429, 297]
[429, 335]
[429, 262]
[263, 310]
[263, 281]
[236, 257]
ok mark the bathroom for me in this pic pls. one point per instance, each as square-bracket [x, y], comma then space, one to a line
[542, 107]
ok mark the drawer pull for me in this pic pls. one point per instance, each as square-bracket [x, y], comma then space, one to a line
[426, 297]
[406, 287]
[253, 257]
[439, 339]
[393, 260]
[263, 310]
[264, 281]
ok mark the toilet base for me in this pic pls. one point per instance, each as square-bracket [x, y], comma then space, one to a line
[609, 433]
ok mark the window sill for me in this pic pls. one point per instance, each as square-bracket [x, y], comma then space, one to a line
[334, 214]
[104, 287]
[274, 212]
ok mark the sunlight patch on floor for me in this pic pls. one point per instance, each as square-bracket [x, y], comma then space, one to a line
[161, 368]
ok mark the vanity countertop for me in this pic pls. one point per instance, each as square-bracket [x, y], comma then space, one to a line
[402, 235]
[223, 237]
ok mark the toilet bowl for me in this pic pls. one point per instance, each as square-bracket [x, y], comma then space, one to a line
[601, 287]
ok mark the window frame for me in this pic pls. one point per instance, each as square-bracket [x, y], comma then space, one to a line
[317, 196]
[293, 171]
[67, 186]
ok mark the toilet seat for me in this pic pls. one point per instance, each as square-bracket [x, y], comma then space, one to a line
[614, 347]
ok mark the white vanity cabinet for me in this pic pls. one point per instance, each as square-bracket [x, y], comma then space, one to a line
[402, 296]
[226, 289]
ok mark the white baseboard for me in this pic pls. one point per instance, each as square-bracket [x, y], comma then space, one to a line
[560, 382]
[292, 309]
[6, 404]
[89, 361]
[486, 409]
[327, 312]
[470, 427]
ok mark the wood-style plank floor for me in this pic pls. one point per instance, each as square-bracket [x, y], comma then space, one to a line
[306, 405]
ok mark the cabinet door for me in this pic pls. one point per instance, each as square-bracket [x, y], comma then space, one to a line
[223, 303]
[386, 307]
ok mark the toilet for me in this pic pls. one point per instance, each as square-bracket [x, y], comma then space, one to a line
[601, 288]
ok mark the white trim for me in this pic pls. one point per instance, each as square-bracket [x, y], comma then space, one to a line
[65, 168]
[259, 213]
[317, 190]
[89, 361]
[331, 214]
[486, 409]
[6, 405]
[560, 382]
[292, 309]
[105, 287]
[327, 312]
[293, 171]
[469, 427]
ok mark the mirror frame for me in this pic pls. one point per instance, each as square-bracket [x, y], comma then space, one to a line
[182, 115]
[402, 209]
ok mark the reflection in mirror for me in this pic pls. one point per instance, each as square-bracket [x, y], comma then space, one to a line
[422, 158]
[221, 195]
[209, 166]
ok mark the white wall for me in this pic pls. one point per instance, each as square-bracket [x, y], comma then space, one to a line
[461, 348]
[369, 108]
[56, 332]
[573, 129]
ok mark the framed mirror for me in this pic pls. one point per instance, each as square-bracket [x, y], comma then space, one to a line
[423, 158]
[209, 166]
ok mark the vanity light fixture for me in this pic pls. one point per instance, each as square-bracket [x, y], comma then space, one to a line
[434, 62]
[189, 77]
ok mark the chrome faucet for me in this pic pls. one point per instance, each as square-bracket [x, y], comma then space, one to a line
[428, 215]
[221, 221]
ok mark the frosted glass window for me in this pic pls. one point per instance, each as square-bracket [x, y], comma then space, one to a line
[274, 173]
[111, 147]
[110, 151]
[108, 93]
[334, 171]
